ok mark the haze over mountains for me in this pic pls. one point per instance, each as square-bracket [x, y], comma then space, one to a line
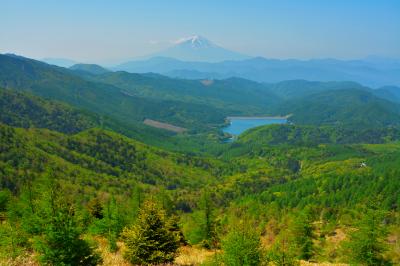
[200, 105]
[196, 57]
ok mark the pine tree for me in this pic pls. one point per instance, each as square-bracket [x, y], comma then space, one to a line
[207, 224]
[60, 240]
[367, 243]
[95, 208]
[303, 234]
[283, 252]
[241, 247]
[150, 240]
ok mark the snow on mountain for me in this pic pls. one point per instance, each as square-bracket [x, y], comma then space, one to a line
[198, 48]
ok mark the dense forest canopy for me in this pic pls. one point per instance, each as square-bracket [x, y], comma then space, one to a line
[83, 180]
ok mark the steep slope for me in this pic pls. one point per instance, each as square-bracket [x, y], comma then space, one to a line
[297, 135]
[61, 84]
[350, 107]
[24, 110]
[233, 95]
[390, 93]
[94, 159]
[29, 111]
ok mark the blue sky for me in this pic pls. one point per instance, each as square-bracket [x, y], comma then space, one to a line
[99, 30]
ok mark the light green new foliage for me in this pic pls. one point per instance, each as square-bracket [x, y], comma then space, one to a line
[241, 247]
[150, 240]
[367, 242]
[60, 242]
[283, 252]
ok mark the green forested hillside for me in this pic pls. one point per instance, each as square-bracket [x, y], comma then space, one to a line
[236, 96]
[200, 105]
[61, 84]
[266, 185]
[311, 135]
[79, 187]
[350, 108]
[23, 110]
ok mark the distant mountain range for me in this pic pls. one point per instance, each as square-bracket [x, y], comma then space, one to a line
[374, 73]
[200, 105]
[89, 68]
[196, 57]
[198, 48]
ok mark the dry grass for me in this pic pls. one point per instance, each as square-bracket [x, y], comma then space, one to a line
[193, 256]
[165, 126]
[110, 258]
[187, 255]
[306, 263]
[23, 260]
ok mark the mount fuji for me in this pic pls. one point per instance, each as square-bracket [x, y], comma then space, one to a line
[199, 49]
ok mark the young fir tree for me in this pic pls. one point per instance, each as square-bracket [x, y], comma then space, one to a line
[207, 224]
[241, 247]
[366, 244]
[303, 234]
[60, 242]
[150, 240]
[283, 251]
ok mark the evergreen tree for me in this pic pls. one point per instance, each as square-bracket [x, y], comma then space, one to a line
[60, 241]
[208, 223]
[95, 208]
[241, 247]
[283, 251]
[367, 243]
[150, 240]
[303, 234]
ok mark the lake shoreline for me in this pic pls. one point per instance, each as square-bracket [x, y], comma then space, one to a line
[239, 124]
[257, 117]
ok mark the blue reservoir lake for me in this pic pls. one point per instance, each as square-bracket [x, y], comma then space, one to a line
[240, 124]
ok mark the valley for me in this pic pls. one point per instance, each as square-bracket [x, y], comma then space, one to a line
[200, 133]
[117, 141]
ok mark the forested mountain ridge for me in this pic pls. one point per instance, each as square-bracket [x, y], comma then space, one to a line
[89, 68]
[201, 104]
[24, 110]
[307, 191]
[284, 178]
[63, 85]
[351, 108]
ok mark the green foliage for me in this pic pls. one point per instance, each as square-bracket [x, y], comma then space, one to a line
[270, 173]
[59, 242]
[303, 234]
[150, 240]
[113, 223]
[351, 107]
[24, 110]
[207, 223]
[283, 252]
[95, 208]
[367, 242]
[241, 246]
[297, 135]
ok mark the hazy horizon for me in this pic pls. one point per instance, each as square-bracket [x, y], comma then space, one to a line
[106, 32]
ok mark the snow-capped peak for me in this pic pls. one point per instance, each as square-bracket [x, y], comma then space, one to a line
[195, 41]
